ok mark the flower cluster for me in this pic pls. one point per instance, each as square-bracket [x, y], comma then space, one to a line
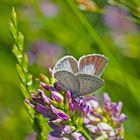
[78, 118]
[63, 112]
[105, 122]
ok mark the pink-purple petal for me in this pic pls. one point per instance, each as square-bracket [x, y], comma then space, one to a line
[59, 113]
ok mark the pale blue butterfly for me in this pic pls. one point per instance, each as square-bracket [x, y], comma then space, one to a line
[80, 77]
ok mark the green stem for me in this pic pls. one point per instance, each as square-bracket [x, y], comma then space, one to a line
[85, 133]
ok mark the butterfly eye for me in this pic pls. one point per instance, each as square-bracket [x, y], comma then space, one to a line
[81, 97]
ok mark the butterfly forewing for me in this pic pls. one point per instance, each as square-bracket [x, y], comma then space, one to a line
[67, 80]
[88, 83]
[92, 64]
[67, 63]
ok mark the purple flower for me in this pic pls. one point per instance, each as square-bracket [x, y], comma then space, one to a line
[116, 21]
[48, 8]
[67, 115]
[121, 28]
[78, 136]
[105, 121]
[57, 97]
[54, 136]
[58, 108]
[42, 51]
[74, 136]
[61, 115]
[113, 109]
[47, 87]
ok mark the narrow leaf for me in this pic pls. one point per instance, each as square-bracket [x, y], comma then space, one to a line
[24, 91]
[44, 78]
[17, 54]
[25, 63]
[13, 31]
[20, 41]
[29, 82]
[14, 17]
[21, 74]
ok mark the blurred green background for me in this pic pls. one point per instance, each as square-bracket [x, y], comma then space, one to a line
[54, 28]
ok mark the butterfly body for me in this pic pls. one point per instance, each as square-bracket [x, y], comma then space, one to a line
[80, 77]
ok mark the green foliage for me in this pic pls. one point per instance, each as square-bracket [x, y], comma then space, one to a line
[26, 84]
[44, 78]
[22, 66]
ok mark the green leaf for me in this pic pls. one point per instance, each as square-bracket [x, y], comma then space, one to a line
[29, 82]
[13, 31]
[79, 122]
[14, 17]
[21, 74]
[30, 110]
[20, 41]
[17, 54]
[24, 90]
[44, 78]
[45, 127]
[25, 63]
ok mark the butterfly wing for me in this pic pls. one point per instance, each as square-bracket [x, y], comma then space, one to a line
[67, 80]
[93, 64]
[67, 63]
[88, 83]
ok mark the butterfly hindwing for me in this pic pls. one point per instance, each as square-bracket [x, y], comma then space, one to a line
[88, 83]
[67, 63]
[93, 64]
[67, 80]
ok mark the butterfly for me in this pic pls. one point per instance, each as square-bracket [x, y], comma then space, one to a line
[80, 77]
